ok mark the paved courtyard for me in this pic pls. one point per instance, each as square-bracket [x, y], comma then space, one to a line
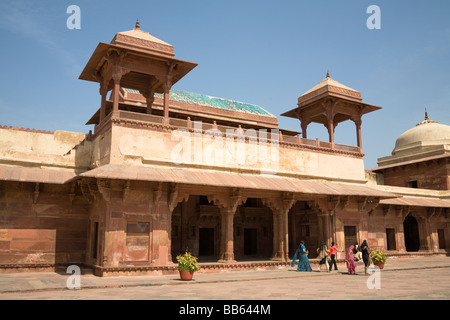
[403, 278]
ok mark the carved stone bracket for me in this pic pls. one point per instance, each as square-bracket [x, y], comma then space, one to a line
[343, 202]
[157, 193]
[72, 192]
[368, 204]
[328, 205]
[89, 189]
[432, 212]
[281, 204]
[168, 81]
[386, 210]
[228, 202]
[402, 211]
[104, 188]
[175, 197]
[126, 190]
[36, 193]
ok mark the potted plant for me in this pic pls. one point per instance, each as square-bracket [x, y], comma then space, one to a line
[187, 265]
[378, 258]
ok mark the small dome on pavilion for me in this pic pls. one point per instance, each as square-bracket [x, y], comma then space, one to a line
[143, 40]
[331, 87]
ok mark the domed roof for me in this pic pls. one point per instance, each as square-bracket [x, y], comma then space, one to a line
[426, 134]
[329, 86]
[142, 40]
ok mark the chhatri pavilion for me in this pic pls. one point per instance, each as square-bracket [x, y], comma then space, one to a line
[165, 171]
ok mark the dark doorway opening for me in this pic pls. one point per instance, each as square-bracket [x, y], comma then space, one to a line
[441, 238]
[411, 232]
[350, 236]
[206, 242]
[95, 241]
[390, 239]
[250, 241]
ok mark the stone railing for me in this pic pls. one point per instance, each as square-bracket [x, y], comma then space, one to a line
[140, 120]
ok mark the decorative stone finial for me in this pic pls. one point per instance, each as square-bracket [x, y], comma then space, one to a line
[328, 73]
[138, 26]
[427, 119]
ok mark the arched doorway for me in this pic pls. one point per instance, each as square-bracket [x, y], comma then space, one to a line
[303, 226]
[411, 233]
[253, 231]
[196, 228]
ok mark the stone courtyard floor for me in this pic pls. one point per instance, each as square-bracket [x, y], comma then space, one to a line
[410, 278]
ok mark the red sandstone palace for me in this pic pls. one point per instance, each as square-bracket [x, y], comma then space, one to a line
[117, 202]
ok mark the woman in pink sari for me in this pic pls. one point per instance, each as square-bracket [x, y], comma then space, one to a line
[350, 261]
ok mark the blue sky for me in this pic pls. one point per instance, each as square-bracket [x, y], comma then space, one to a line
[261, 52]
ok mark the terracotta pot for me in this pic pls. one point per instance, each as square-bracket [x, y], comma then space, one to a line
[186, 275]
[379, 264]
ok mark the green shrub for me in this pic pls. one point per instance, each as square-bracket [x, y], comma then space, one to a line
[187, 262]
[378, 256]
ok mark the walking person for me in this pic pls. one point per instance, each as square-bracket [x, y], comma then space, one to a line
[323, 255]
[349, 258]
[302, 255]
[365, 250]
[357, 254]
[333, 251]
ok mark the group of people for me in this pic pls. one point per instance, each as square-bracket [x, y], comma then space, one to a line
[327, 256]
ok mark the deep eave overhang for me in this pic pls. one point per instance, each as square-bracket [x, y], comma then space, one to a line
[92, 67]
[366, 108]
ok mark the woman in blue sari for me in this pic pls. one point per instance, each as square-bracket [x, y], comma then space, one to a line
[302, 255]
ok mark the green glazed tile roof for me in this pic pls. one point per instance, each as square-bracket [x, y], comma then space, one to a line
[132, 90]
[204, 100]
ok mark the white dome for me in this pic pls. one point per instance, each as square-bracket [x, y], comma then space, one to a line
[426, 134]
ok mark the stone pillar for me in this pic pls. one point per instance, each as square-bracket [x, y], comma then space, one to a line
[117, 78]
[280, 207]
[324, 226]
[116, 58]
[278, 248]
[401, 238]
[358, 121]
[150, 101]
[329, 113]
[327, 207]
[358, 136]
[432, 244]
[114, 231]
[424, 234]
[166, 103]
[103, 93]
[285, 233]
[149, 96]
[330, 128]
[167, 87]
[162, 232]
[304, 125]
[227, 204]
[227, 235]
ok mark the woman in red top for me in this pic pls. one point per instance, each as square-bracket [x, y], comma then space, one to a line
[333, 250]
